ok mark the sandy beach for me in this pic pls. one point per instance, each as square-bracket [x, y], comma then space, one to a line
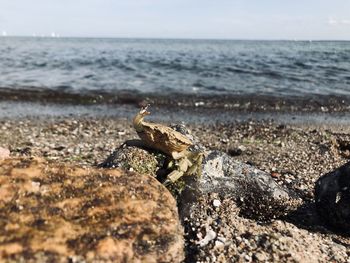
[295, 153]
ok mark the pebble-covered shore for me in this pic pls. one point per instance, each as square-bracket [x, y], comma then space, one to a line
[294, 155]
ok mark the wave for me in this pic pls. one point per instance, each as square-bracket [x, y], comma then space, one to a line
[215, 67]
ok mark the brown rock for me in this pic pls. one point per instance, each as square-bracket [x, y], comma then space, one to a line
[57, 213]
[4, 153]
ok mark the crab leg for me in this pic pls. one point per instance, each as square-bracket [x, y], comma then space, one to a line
[183, 166]
[179, 155]
[173, 177]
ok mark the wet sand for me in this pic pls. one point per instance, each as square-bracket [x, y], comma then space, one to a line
[225, 102]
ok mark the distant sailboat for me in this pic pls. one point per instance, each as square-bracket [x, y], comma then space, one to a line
[54, 34]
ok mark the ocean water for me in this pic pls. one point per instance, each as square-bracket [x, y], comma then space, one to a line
[276, 68]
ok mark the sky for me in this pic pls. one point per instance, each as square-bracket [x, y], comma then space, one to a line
[217, 19]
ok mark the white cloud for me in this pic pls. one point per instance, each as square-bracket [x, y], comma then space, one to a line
[332, 21]
[338, 22]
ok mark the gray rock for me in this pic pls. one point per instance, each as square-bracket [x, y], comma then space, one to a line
[223, 174]
[257, 194]
[332, 198]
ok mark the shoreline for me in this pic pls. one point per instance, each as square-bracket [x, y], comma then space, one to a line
[311, 103]
[161, 113]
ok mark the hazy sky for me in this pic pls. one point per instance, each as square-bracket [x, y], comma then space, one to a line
[236, 19]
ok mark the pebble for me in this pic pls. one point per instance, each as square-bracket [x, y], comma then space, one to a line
[35, 186]
[224, 140]
[275, 175]
[235, 152]
[216, 203]
[4, 153]
[199, 103]
[247, 258]
[221, 239]
[210, 235]
[288, 181]
[219, 244]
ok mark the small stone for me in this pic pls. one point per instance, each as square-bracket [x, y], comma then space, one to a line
[221, 239]
[35, 186]
[275, 175]
[210, 235]
[219, 244]
[260, 256]
[235, 152]
[216, 203]
[288, 180]
[199, 103]
[4, 153]
[76, 150]
[324, 109]
[224, 140]
[247, 257]
[59, 148]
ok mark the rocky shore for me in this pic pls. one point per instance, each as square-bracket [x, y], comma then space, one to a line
[216, 230]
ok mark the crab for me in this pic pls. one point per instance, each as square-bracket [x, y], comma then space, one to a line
[170, 142]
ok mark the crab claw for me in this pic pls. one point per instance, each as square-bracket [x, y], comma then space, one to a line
[144, 111]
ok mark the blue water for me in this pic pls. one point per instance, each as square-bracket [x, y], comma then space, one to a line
[278, 68]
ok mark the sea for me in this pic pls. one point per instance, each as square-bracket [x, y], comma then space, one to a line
[181, 66]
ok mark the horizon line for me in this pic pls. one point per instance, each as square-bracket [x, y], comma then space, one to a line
[177, 38]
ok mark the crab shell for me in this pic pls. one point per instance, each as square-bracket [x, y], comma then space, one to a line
[164, 138]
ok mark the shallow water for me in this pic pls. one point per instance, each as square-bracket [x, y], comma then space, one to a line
[163, 114]
[276, 68]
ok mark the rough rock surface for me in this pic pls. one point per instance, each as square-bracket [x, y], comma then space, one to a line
[256, 193]
[332, 198]
[60, 213]
[133, 159]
